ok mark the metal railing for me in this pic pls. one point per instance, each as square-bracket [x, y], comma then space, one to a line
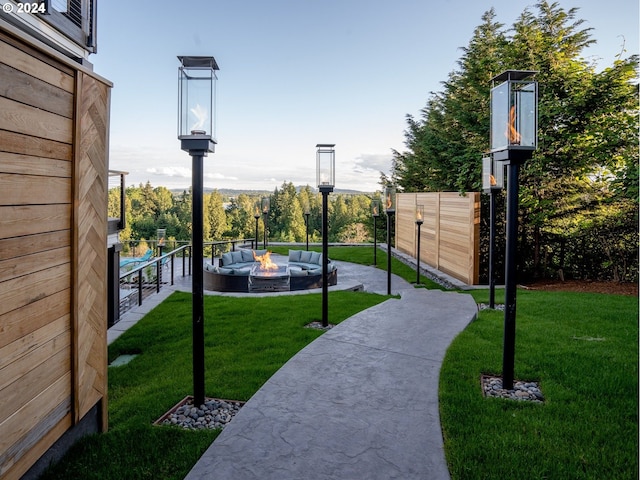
[148, 277]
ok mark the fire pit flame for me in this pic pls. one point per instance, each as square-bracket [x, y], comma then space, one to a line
[265, 261]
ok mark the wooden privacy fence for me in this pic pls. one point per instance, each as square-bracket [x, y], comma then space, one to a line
[449, 236]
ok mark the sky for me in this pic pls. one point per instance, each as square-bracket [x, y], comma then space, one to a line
[295, 73]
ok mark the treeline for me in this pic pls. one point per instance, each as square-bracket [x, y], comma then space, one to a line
[149, 208]
[579, 192]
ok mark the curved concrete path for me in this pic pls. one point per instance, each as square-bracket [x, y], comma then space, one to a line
[359, 402]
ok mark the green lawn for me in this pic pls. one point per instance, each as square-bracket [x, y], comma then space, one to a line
[246, 341]
[583, 349]
[364, 256]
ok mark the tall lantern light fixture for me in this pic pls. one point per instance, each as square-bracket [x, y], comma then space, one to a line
[266, 205]
[307, 212]
[514, 138]
[325, 177]
[256, 216]
[492, 183]
[419, 222]
[390, 210]
[196, 132]
[375, 213]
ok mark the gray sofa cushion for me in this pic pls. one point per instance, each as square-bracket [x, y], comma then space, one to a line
[315, 257]
[247, 255]
[227, 271]
[294, 255]
[226, 258]
[305, 257]
[236, 257]
[297, 272]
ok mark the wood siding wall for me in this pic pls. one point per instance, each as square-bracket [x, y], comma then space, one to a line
[53, 179]
[449, 236]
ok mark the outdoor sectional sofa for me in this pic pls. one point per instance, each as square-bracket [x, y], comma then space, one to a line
[232, 274]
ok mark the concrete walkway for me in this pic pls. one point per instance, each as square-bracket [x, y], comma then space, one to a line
[359, 402]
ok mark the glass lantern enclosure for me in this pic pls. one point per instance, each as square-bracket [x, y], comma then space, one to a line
[419, 214]
[390, 199]
[514, 111]
[266, 205]
[492, 175]
[196, 97]
[325, 166]
[375, 207]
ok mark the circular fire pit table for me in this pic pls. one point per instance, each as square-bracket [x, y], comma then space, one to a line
[273, 279]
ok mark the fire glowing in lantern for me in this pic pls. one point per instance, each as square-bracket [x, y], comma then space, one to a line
[265, 261]
[389, 203]
[512, 134]
[375, 210]
[419, 215]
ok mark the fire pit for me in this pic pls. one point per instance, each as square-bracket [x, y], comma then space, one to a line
[253, 271]
[272, 280]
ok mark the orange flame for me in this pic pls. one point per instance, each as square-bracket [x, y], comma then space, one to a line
[375, 209]
[389, 203]
[265, 261]
[512, 134]
[492, 180]
[418, 215]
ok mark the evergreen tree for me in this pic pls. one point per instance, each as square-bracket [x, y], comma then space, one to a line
[216, 217]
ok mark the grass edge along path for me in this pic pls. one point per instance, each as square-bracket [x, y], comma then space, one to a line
[246, 341]
[583, 349]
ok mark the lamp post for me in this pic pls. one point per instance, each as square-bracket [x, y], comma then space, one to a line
[514, 128]
[256, 215]
[196, 132]
[306, 224]
[266, 203]
[492, 183]
[390, 210]
[419, 222]
[325, 176]
[375, 213]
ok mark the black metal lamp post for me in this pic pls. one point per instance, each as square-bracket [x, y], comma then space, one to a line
[390, 210]
[256, 215]
[375, 213]
[325, 176]
[419, 222]
[266, 204]
[514, 129]
[306, 224]
[492, 183]
[196, 132]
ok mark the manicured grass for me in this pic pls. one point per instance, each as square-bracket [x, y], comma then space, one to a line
[246, 341]
[364, 256]
[583, 349]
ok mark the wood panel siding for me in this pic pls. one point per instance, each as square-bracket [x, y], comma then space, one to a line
[54, 118]
[449, 236]
[90, 240]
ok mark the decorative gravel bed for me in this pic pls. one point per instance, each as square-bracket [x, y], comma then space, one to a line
[496, 306]
[318, 326]
[527, 391]
[214, 413]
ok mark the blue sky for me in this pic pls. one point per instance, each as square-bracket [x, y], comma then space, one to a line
[294, 73]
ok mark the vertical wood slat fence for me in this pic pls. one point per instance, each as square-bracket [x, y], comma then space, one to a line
[449, 236]
[53, 268]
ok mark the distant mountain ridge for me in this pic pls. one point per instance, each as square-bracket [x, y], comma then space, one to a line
[231, 192]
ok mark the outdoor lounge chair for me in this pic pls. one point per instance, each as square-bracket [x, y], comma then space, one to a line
[136, 260]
